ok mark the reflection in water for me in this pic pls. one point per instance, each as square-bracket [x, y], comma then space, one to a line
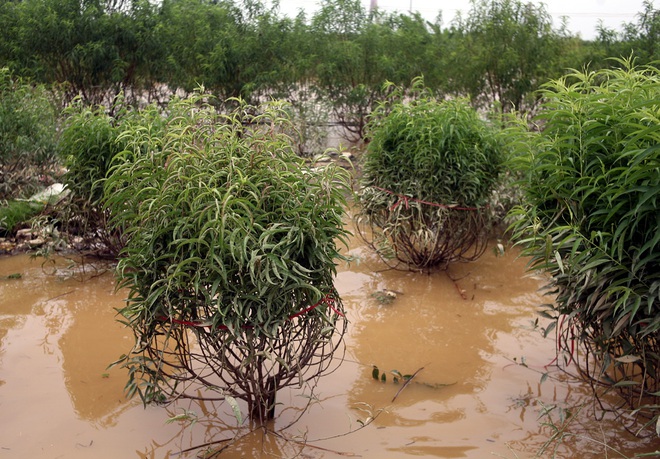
[94, 388]
[472, 398]
[447, 327]
[57, 335]
[75, 318]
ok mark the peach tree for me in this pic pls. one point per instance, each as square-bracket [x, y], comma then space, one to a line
[591, 220]
[231, 242]
[428, 174]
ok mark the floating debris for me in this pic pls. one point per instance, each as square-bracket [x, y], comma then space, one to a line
[385, 296]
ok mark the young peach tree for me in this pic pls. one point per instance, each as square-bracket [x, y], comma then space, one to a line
[591, 221]
[231, 242]
[428, 174]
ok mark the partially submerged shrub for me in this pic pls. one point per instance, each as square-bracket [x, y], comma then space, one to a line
[88, 143]
[28, 135]
[229, 258]
[428, 173]
[592, 222]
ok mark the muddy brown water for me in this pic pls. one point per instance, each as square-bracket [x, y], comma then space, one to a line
[470, 397]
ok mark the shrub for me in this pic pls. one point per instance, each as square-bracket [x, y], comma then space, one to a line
[16, 212]
[591, 221]
[428, 173]
[87, 144]
[231, 243]
[28, 135]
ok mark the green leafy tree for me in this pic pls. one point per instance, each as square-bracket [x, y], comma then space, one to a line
[639, 39]
[502, 52]
[229, 259]
[9, 48]
[412, 47]
[341, 62]
[198, 37]
[642, 38]
[139, 69]
[591, 221]
[607, 44]
[88, 143]
[233, 50]
[358, 52]
[428, 174]
[28, 136]
[271, 50]
[95, 49]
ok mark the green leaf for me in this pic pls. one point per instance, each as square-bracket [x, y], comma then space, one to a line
[551, 326]
[235, 408]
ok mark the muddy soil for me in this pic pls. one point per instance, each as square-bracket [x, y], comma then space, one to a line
[474, 343]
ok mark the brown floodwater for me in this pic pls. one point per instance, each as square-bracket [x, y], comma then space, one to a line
[465, 341]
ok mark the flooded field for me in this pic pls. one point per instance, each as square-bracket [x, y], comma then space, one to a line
[473, 343]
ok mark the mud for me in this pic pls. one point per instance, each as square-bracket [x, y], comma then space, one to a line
[471, 337]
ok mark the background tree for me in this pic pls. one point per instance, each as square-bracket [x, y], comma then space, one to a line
[92, 49]
[502, 52]
[234, 50]
[331, 66]
[342, 69]
[88, 143]
[28, 137]
[310, 111]
[198, 37]
[641, 39]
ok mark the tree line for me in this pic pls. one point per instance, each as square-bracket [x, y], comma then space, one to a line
[500, 52]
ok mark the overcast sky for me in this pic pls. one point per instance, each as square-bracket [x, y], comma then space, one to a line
[583, 15]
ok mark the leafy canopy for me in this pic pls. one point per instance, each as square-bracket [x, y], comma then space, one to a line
[438, 151]
[591, 219]
[224, 222]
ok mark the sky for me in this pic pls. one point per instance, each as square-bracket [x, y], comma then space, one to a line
[583, 15]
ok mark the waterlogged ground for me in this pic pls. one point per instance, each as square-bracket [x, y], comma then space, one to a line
[465, 342]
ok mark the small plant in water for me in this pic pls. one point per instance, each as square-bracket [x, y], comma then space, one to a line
[385, 296]
[397, 377]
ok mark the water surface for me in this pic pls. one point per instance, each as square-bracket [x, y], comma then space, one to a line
[464, 334]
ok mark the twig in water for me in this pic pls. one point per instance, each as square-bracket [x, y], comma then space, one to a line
[406, 383]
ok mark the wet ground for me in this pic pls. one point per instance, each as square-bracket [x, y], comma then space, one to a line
[474, 345]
